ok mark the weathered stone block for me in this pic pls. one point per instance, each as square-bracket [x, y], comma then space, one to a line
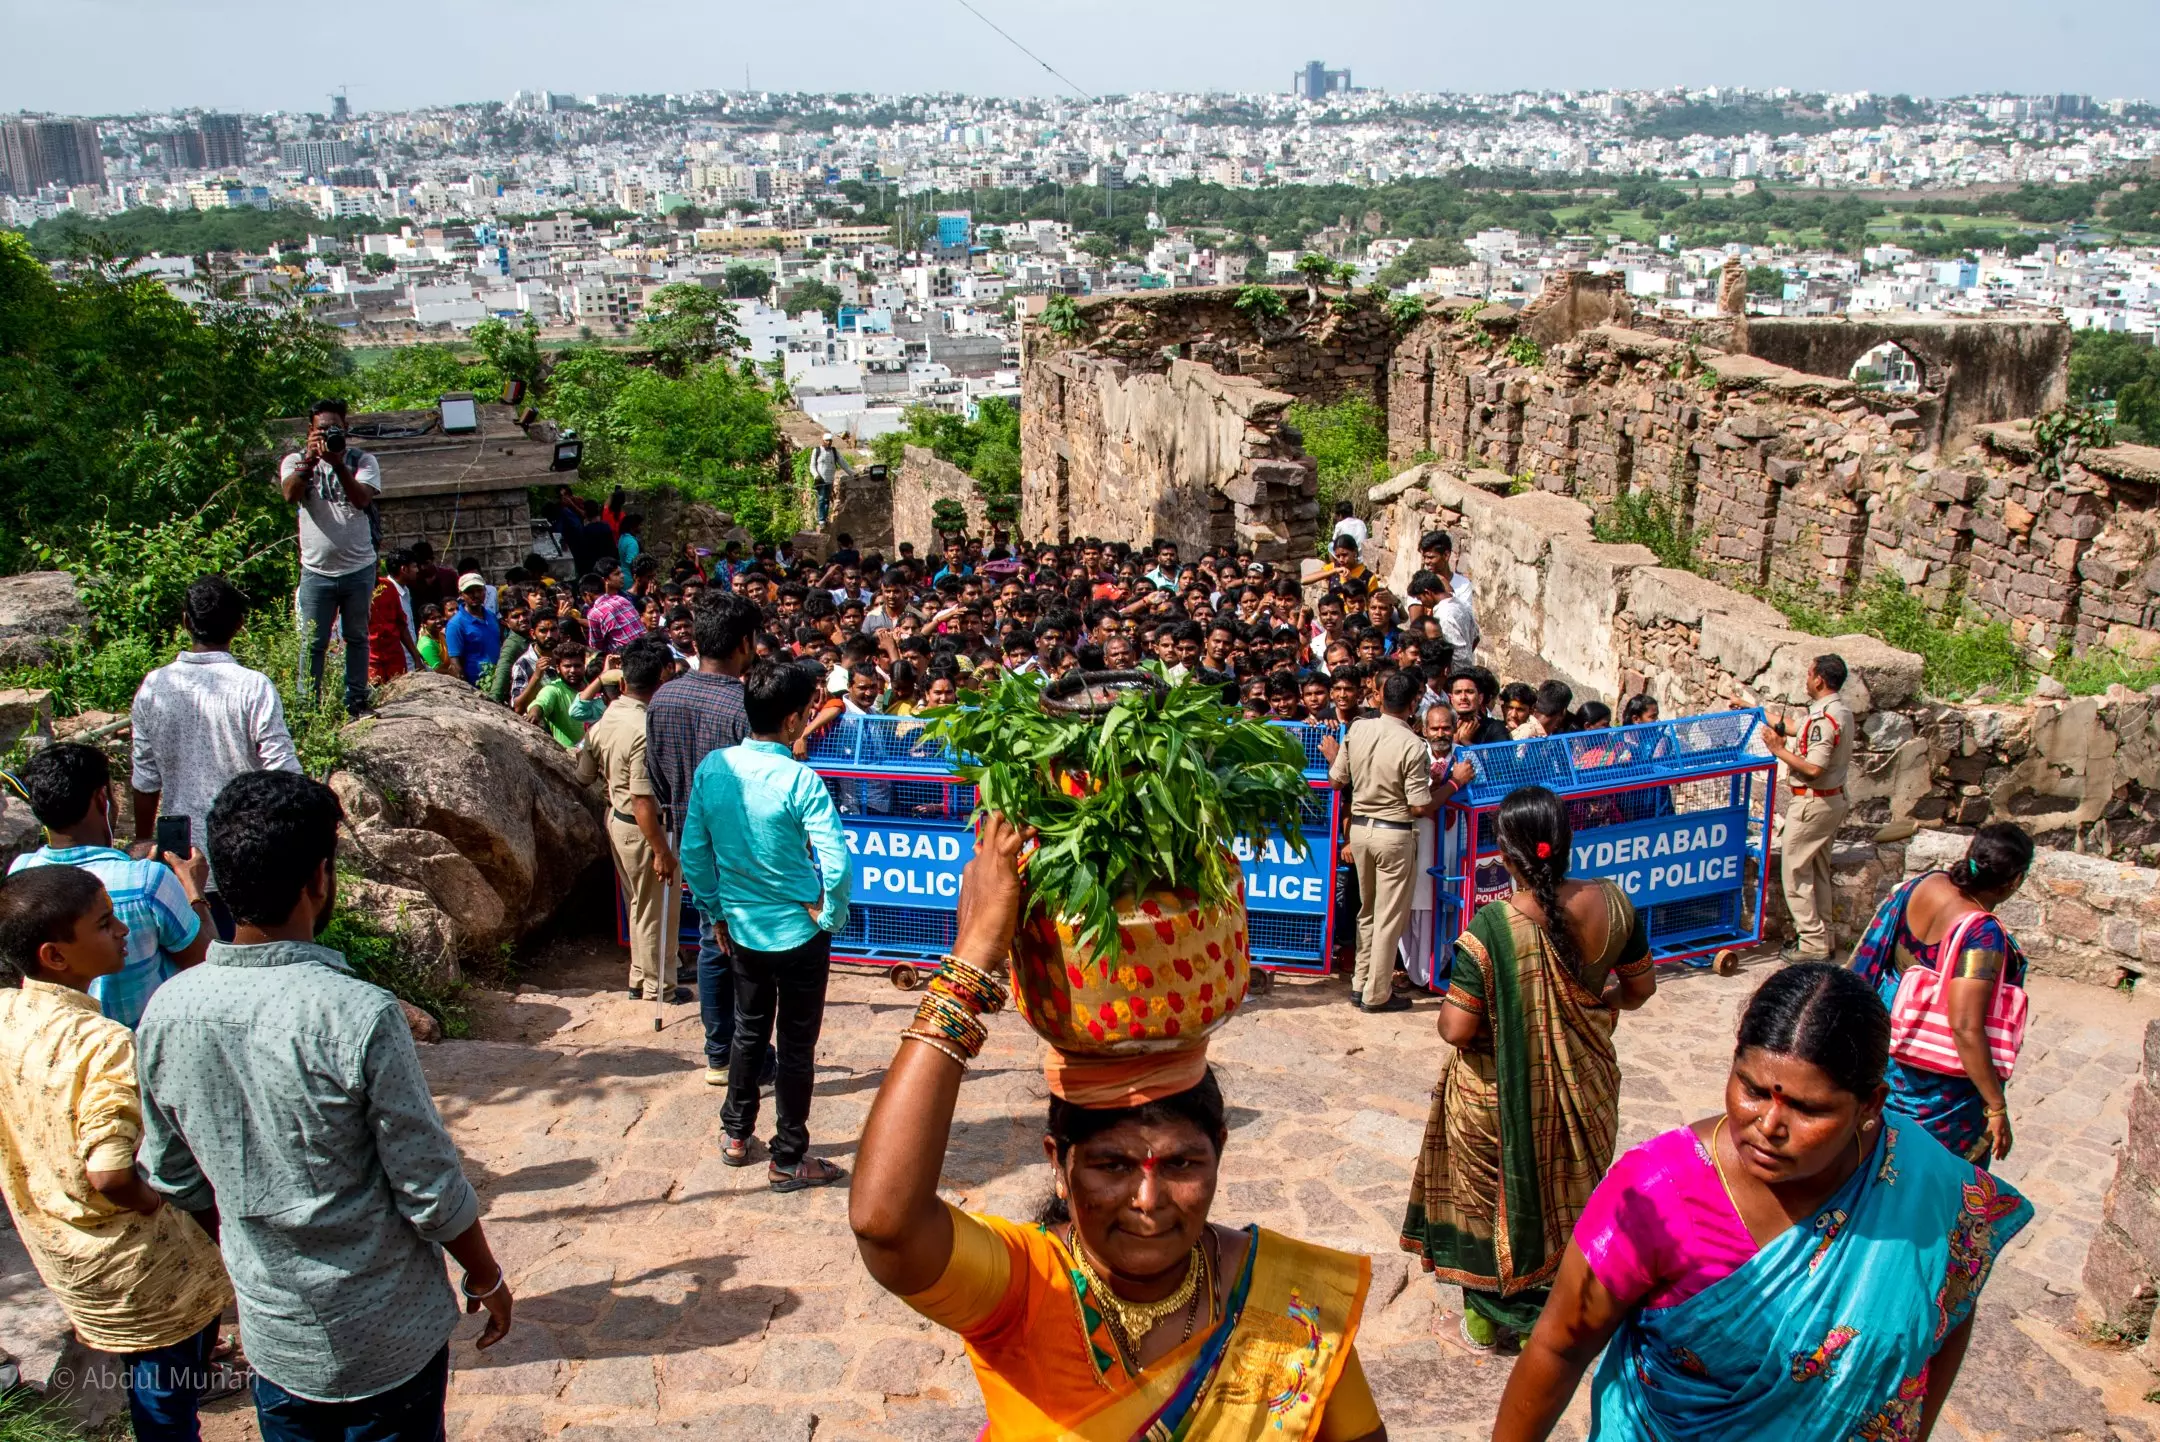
[2119, 1286]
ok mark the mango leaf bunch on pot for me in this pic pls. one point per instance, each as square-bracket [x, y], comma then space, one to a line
[1132, 944]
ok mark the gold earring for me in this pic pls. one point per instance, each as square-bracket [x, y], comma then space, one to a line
[1868, 1125]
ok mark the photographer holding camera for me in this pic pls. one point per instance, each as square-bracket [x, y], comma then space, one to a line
[334, 484]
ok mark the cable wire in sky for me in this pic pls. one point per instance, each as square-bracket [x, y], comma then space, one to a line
[1022, 48]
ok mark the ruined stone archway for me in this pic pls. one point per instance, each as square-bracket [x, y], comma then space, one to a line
[1983, 370]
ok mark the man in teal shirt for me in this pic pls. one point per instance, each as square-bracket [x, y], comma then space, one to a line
[285, 1094]
[764, 856]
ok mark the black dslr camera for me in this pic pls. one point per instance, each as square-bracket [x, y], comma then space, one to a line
[333, 440]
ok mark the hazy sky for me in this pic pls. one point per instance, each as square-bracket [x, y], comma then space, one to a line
[106, 56]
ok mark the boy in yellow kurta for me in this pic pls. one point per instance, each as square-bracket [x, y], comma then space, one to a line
[137, 1277]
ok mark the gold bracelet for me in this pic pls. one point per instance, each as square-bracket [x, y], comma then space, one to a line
[935, 1044]
[1994, 1112]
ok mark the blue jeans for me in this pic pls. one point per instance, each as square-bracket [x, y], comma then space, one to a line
[345, 597]
[166, 1385]
[823, 491]
[412, 1411]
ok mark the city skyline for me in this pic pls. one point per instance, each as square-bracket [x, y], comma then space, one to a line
[242, 55]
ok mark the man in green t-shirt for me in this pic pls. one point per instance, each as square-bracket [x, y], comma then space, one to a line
[550, 698]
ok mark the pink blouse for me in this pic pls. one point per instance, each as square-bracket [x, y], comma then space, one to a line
[1660, 1227]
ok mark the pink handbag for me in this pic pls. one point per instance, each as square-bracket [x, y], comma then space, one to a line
[1920, 1034]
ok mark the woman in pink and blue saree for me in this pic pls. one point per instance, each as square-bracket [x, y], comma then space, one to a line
[1804, 1266]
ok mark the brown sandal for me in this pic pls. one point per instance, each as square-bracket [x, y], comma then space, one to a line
[736, 1152]
[809, 1172]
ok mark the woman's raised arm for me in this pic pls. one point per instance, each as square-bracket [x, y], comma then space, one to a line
[901, 1228]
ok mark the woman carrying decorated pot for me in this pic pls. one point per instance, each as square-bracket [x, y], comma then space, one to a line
[1126, 1314]
[1801, 1266]
[1527, 1111]
[1953, 978]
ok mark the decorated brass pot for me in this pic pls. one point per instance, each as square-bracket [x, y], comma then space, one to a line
[1174, 972]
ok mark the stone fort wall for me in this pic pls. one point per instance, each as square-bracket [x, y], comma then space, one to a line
[1748, 426]
[2082, 773]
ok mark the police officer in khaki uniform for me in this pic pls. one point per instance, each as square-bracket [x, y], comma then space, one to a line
[1815, 805]
[1386, 768]
[645, 864]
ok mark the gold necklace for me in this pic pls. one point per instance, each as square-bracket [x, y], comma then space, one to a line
[1136, 1319]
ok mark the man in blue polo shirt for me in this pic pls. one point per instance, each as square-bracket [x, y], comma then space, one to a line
[472, 635]
[162, 905]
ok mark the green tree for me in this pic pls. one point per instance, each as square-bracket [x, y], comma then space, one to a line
[710, 433]
[811, 294]
[1766, 280]
[119, 403]
[2124, 369]
[376, 264]
[1318, 271]
[415, 377]
[1260, 304]
[1061, 315]
[1349, 440]
[987, 448]
[686, 325]
[889, 450]
[1418, 259]
[514, 351]
[744, 281]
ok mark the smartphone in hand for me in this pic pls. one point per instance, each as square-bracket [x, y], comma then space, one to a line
[174, 837]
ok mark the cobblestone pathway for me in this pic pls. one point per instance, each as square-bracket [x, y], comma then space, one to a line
[660, 1293]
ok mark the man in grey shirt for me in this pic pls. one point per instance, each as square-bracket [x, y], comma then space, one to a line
[826, 464]
[284, 1105]
[335, 487]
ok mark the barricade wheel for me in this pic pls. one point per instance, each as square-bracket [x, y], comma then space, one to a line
[1726, 962]
[1263, 982]
[904, 976]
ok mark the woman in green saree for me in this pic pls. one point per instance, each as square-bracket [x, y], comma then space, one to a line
[1526, 1114]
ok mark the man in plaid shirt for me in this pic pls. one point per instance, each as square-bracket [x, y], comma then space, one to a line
[688, 719]
[162, 906]
[612, 623]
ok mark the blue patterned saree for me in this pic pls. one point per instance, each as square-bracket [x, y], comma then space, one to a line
[1950, 1107]
[1826, 1334]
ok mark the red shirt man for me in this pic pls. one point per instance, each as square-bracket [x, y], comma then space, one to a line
[390, 621]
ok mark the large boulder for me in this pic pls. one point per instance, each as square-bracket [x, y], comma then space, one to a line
[411, 859]
[428, 940]
[38, 610]
[25, 714]
[456, 798]
[19, 830]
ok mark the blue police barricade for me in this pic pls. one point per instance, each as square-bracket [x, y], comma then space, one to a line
[1290, 899]
[906, 817]
[1677, 812]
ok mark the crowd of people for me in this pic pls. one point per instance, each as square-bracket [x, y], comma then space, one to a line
[206, 1109]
